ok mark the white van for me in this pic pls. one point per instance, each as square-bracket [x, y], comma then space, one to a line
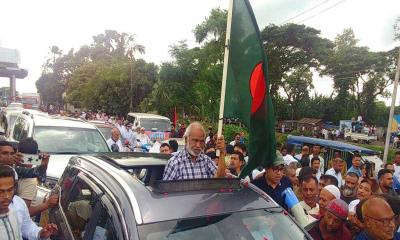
[156, 127]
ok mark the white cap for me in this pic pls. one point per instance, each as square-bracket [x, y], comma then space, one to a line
[333, 190]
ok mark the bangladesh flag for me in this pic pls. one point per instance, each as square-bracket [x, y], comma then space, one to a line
[247, 89]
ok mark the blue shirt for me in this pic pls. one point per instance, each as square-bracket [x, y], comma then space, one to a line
[364, 236]
[355, 170]
[276, 193]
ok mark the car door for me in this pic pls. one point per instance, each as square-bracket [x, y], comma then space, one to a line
[84, 212]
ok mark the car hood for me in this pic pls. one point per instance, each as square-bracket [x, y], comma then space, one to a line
[57, 164]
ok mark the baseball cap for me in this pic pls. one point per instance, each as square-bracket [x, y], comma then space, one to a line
[339, 208]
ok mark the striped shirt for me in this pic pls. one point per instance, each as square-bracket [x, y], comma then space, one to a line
[9, 226]
[181, 166]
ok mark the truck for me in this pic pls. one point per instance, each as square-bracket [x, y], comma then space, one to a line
[358, 137]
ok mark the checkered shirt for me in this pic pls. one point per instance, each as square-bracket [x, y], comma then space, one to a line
[181, 166]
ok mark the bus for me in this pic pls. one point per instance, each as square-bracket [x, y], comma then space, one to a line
[30, 100]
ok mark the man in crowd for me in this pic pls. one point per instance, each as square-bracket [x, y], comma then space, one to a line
[327, 194]
[305, 152]
[315, 164]
[114, 142]
[364, 191]
[288, 156]
[27, 187]
[326, 180]
[348, 190]
[165, 148]
[309, 192]
[356, 164]
[332, 224]
[397, 165]
[379, 221]
[336, 170]
[191, 162]
[241, 147]
[385, 181]
[316, 151]
[14, 214]
[236, 139]
[174, 145]
[237, 163]
[143, 138]
[273, 182]
[10, 158]
[290, 172]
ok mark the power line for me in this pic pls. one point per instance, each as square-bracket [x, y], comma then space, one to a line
[306, 11]
[320, 12]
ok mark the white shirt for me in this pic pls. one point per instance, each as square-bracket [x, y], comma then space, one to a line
[110, 142]
[352, 206]
[144, 139]
[28, 228]
[321, 162]
[310, 210]
[9, 225]
[289, 159]
[233, 143]
[337, 175]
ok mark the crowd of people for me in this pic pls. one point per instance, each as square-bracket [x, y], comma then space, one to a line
[340, 203]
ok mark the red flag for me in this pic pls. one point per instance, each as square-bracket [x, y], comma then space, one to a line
[175, 119]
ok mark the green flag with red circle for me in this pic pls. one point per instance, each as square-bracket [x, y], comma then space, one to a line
[247, 88]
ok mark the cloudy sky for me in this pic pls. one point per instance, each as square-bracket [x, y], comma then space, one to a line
[33, 26]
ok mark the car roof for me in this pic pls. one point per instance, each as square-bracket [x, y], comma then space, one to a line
[155, 205]
[57, 121]
[300, 140]
[101, 124]
[147, 115]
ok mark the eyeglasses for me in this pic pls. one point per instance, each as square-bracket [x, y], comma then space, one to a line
[277, 169]
[385, 221]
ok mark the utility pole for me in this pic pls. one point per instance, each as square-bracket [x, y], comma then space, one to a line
[388, 132]
[131, 93]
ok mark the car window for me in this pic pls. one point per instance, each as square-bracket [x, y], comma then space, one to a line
[156, 124]
[251, 225]
[24, 130]
[19, 124]
[78, 207]
[69, 140]
[103, 227]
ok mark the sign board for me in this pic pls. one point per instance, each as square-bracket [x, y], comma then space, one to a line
[8, 55]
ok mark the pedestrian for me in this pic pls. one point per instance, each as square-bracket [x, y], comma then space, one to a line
[356, 163]
[236, 164]
[385, 181]
[16, 222]
[309, 192]
[348, 190]
[273, 182]
[165, 148]
[327, 194]
[379, 221]
[114, 142]
[326, 180]
[332, 225]
[236, 139]
[336, 170]
[316, 152]
[396, 165]
[191, 162]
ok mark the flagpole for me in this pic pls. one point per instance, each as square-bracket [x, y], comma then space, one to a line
[388, 132]
[225, 71]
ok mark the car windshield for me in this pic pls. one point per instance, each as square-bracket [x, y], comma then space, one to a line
[69, 140]
[256, 224]
[155, 124]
